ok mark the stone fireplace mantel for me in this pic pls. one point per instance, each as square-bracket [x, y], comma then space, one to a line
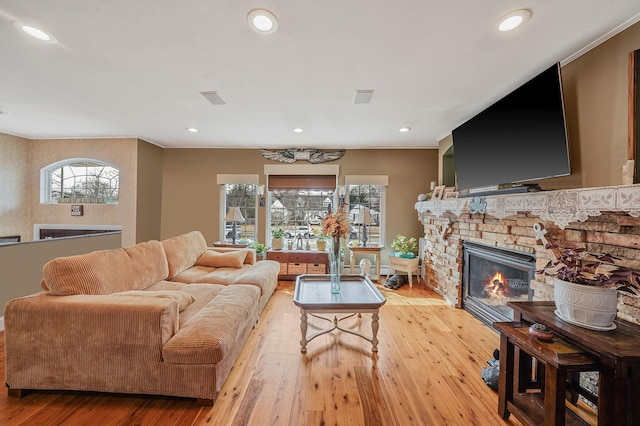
[561, 207]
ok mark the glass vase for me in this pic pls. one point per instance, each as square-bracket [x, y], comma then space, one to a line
[335, 267]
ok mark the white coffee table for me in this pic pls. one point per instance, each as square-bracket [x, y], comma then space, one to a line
[358, 295]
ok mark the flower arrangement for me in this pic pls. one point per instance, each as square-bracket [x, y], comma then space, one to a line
[578, 266]
[404, 245]
[336, 225]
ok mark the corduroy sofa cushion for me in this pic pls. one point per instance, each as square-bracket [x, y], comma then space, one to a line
[184, 299]
[183, 251]
[107, 271]
[232, 259]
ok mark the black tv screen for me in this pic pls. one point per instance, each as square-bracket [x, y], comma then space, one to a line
[522, 137]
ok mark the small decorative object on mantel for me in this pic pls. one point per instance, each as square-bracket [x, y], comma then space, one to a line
[437, 192]
[586, 285]
[313, 156]
[336, 225]
[541, 331]
[477, 205]
[422, 197]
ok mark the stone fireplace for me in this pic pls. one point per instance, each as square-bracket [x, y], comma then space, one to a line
[600, 219]
[493, 276]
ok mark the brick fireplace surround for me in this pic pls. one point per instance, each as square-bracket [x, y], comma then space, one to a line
[605, 219]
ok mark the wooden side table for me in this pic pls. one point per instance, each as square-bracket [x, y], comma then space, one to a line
[372, 249]
[558, 361]
[404, 264]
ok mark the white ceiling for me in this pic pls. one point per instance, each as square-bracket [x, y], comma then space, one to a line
[136, 68]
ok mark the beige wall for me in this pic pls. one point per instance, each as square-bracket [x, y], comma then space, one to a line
[190, 195]
[149, 193]
[596, 108]
[21, 264]
[122, 153]
[14, 187]
[596, 86]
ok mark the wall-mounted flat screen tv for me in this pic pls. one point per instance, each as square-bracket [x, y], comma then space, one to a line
[520, 138]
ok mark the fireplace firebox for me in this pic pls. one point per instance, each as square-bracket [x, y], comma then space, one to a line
[493, 276]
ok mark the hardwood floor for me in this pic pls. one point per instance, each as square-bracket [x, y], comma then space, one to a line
[427, 372]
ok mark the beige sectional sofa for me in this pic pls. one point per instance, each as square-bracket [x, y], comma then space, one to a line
[163, 318]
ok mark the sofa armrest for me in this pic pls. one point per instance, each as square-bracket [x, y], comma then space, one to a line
[249, 260]
[87, 328]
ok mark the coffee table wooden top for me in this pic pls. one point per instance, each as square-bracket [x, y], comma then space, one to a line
[357, 292]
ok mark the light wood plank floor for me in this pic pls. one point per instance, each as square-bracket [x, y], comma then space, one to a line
[427, 372]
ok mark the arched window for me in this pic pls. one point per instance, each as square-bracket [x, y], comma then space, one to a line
[79, 180]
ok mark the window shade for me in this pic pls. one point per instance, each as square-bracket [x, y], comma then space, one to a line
[285, 182]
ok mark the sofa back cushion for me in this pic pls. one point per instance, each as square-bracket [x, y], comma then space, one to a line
[183, 251]
[107, 271]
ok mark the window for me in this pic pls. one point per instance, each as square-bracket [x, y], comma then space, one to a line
[368, 191]
[242, 196]
[80, 181]
[371, 197]
[299, 212]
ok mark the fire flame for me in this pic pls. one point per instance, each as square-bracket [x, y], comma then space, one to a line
[496, 286]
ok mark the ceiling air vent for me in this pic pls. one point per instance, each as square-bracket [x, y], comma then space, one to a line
[214, 98]
[363, 96]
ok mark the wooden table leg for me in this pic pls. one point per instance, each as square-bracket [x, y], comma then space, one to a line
[554, 395]
[303, 330]
[505, 379]
[374, 329]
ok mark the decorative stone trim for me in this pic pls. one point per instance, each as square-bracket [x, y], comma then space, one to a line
[561, 207]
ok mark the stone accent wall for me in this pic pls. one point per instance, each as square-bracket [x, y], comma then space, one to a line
[611, 232]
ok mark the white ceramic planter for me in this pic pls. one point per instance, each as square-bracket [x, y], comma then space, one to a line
[590, 307]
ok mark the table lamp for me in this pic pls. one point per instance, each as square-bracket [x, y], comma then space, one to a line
[234, 215]
[364, 219]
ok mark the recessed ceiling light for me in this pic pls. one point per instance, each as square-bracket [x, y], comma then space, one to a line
[298, 130]
[513, 20]
[404, 129]
[35, 32]
[193, 129]
[262, 21]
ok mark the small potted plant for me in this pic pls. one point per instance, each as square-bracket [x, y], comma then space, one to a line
[260, 249]
[277, 239]
[405, 247]
[321, 240]
[586, 286]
